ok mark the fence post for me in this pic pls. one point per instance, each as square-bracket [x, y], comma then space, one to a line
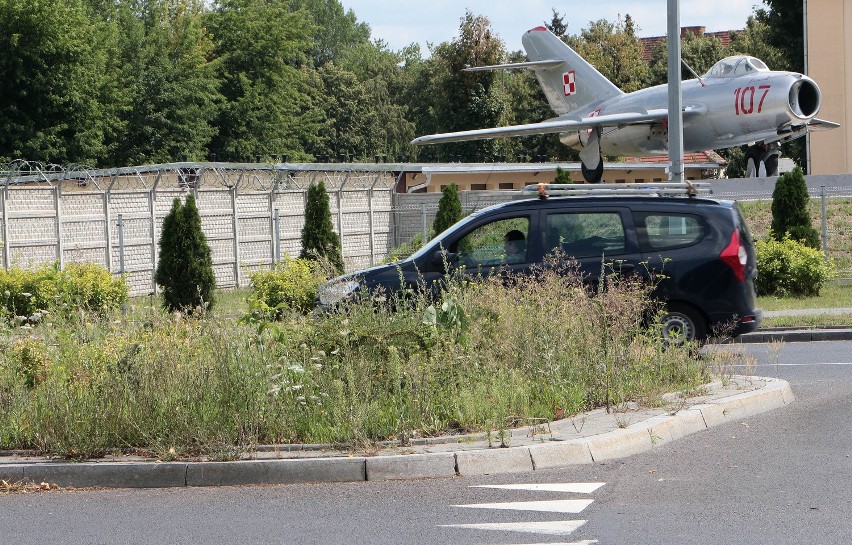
[120, 225]
[236, 225]
[152, 199]
[824, 222]
[57, 210]
[340, 218]
[5, 196]
[370, 217]
[108, 232]
[423, 224]
[276, 237]
[272, 211]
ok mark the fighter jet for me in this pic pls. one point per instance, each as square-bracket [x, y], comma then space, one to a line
[738, 102]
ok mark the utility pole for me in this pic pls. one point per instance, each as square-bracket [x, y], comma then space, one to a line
[675, 100]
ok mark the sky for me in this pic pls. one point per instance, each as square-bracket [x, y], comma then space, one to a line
[401, 22]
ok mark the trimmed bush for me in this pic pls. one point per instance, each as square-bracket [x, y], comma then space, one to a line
[185, 269]
[405, 249]
[80, 286]
[28, 291]
[790, 209]
[290, 287]
[91, 287]
[319, 241]
[788, 267]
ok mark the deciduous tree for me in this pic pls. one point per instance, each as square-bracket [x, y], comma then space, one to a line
[614, 49]
[272, 96]
[452, 100]
[54, 84]
[175, 85]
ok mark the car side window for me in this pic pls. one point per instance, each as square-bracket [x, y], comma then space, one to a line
[583, 234]
[500, 242]
[668, 231]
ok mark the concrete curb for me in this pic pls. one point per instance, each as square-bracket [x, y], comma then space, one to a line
[795, 335]
[618, 443]
[411, 466]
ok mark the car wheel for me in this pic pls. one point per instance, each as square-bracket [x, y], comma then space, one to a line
[681, 323]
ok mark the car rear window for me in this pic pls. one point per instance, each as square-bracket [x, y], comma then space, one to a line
[586, 234]
[667, 231]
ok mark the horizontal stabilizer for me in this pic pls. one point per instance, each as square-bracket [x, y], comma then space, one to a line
[532, 65]
[551, 126]
[817, 124]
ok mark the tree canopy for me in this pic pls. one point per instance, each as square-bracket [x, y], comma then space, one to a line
[119, 82]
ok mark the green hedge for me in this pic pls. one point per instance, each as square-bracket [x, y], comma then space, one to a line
[87, 286]
[290, 287]
[787, 267]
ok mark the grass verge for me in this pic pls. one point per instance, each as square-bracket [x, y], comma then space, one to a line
[833, 295]
[541, 347]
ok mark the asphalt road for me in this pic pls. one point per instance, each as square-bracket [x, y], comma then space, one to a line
[776, 478]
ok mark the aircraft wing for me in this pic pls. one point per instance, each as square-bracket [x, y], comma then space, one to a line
[557, 125]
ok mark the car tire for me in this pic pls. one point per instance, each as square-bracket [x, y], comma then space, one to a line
[681, 323]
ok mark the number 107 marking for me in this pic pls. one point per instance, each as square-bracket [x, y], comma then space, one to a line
[744, 99]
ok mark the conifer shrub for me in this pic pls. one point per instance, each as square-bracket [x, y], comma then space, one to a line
[562, 177]
[790, 209]
[787, 267]
[185, 270]
[319, 241]
[449, 209]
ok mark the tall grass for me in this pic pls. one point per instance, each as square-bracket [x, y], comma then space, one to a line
[490, 353]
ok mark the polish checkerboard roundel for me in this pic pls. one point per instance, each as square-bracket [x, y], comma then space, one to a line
[569, 83]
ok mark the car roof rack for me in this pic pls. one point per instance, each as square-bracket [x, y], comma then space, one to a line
[660, 189]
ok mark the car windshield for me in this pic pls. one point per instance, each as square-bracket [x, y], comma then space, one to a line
[433, 244]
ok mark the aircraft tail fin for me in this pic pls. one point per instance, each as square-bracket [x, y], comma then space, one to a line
[568, 81]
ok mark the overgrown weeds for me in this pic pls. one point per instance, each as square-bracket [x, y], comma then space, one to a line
[492, 352]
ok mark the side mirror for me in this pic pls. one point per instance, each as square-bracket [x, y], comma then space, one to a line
[442, 259]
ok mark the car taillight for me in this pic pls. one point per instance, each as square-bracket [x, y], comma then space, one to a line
[736, 256]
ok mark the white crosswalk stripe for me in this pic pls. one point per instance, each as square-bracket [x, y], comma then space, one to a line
[550, 506]
[576, 488]
[552, 528]
[583, 542]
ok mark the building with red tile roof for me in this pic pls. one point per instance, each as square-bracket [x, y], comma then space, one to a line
[650, 44]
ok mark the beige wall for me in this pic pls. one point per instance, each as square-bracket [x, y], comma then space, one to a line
[830, 65]
[516, 180]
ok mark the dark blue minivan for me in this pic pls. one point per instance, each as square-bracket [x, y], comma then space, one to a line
[699, 251]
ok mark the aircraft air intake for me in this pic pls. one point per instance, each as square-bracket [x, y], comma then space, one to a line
[805, 98]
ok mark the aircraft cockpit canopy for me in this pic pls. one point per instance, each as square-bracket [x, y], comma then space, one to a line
[732, 67]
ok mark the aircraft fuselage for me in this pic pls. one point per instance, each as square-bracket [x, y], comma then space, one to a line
[719, 113]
